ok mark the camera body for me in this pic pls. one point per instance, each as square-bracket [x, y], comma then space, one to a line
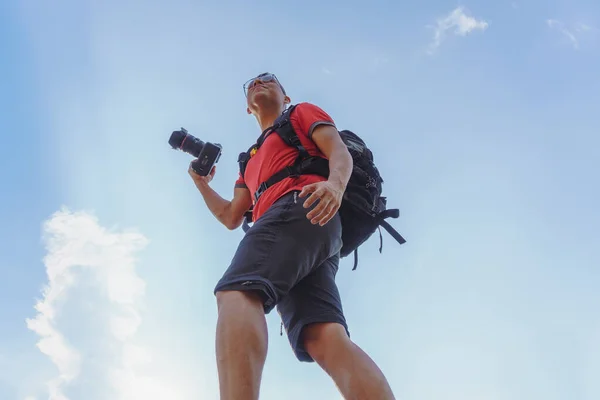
[207, 154]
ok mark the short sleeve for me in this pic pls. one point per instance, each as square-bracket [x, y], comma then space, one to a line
[309, 116]
[240, 183]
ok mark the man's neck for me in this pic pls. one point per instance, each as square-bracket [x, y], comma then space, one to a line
[267, 118]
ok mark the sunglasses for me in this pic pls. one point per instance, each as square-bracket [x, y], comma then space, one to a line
[265, 77]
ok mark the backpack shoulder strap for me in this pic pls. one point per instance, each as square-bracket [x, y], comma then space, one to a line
[304, 163]
[281, 124]
[283, 127]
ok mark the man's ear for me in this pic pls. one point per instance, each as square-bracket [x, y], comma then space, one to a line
[248, 110]
[287, 100]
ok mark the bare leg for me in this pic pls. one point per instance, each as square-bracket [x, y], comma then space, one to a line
[352, 370]
[241, 345]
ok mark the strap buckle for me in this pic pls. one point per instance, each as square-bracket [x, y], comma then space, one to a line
[292, 171]
[260, 190]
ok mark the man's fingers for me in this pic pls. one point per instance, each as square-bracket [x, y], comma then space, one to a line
[319, 211]
[315, 212]
[332, 209]
[325, 209]
[307, 189]
[316, 195]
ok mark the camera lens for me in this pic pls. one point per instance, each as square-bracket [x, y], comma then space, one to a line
[176, 139]
[184, 141]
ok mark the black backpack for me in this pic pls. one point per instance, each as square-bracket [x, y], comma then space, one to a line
[363, 209]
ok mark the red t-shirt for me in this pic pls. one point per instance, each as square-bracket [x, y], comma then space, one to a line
[274, 155]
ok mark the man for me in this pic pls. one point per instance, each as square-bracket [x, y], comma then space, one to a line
[289, 258]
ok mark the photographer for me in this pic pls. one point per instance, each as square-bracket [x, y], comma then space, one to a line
[289, 258]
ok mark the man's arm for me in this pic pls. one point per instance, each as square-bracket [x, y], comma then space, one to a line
[331, 192]
[229, 213]
[328, 140]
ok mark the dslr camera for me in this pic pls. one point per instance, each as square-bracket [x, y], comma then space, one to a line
[207, 154]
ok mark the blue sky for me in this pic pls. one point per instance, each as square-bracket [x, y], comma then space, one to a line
[484, 122]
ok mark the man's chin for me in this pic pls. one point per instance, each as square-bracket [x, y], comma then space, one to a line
[260, 93]
[263, 99]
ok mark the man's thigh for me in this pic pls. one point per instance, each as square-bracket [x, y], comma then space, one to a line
[315, 298]
[279, 250]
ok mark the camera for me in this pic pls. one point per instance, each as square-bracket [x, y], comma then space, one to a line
[207, 154]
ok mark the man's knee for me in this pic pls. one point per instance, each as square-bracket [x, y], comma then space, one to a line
[322, 340]
[238, 300]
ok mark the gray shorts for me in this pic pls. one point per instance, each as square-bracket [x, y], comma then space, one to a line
[292, 264]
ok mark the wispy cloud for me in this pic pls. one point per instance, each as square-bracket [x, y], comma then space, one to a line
[95, 294]
[457, 23]
[573, 34]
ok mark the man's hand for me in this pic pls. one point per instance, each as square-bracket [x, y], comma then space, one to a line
[330, 197]
[201, 180]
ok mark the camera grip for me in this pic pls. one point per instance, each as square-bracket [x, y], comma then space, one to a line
[208, 157]
[200, 169]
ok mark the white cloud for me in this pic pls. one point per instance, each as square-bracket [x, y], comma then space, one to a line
[93, 297]
[552, 23]
[458, 23]
[583, 28]
[573, 34]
